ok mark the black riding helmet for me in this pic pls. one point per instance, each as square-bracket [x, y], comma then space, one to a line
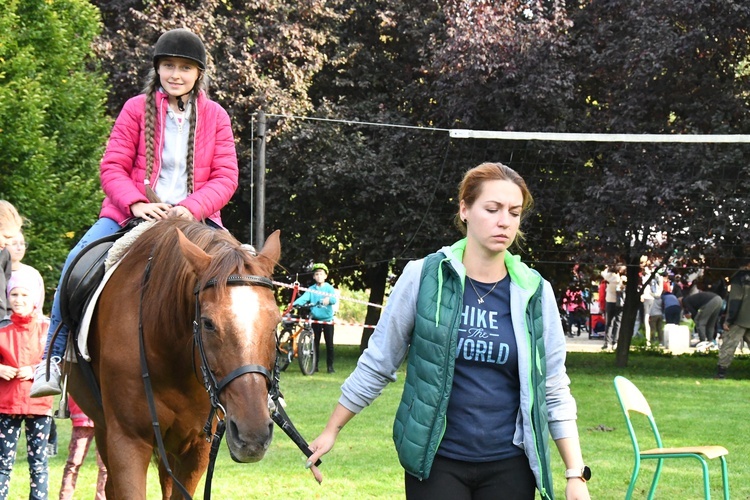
[180, 43]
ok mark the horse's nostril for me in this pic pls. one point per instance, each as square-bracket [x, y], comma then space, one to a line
[233, 430]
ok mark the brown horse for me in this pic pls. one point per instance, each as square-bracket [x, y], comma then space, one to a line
[173, 269]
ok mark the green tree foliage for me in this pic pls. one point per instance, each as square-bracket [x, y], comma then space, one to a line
[366, 199]
[364, 203]
[668, 67]
[52, 126]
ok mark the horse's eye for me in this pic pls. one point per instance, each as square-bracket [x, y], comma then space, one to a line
[207, 325]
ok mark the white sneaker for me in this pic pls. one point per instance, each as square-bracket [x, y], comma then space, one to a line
[45, 385]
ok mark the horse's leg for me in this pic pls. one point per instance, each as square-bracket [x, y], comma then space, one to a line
[128, 467]
[188, 468]
[165, 480]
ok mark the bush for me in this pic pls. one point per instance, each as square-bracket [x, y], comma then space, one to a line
[352, 312]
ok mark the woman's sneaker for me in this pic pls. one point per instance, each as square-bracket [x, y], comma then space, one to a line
[44, 385]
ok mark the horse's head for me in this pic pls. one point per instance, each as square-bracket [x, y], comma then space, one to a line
[235, 334]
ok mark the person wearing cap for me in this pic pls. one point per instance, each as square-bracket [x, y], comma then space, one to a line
[322, 297]
[21, 347]
[171, 153]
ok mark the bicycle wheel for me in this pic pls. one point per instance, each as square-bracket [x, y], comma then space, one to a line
[306, 352]
[284, 353]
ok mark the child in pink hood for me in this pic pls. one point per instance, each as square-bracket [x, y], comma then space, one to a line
[21, 348]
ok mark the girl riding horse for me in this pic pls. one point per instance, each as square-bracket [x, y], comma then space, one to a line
[171, 153]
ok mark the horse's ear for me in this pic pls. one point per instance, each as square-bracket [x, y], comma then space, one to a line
[198, 259]
[271, 251]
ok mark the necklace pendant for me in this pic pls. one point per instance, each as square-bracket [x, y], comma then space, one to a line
[480, 300]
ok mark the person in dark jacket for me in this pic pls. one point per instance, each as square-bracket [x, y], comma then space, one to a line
[486, 383]
[704, 308]
[737, 324]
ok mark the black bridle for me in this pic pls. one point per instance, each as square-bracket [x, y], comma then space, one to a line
[214, 387]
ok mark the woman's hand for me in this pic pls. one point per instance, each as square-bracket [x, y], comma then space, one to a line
[150, 211]
[576, 490]
[322, 445]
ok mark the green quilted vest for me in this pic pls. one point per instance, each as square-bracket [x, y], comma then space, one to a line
[420, 419]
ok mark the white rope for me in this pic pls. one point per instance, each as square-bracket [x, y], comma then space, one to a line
[356, 301]
[580, 137]
[288, 319]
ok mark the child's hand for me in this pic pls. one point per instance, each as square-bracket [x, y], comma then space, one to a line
[150, 211]
[180, 211]
[8, 372]
[25, 373]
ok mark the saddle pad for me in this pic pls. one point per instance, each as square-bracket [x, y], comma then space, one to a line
[123, 244]
[83, 332]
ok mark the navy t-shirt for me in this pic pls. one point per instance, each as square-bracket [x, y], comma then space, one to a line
[484, 400]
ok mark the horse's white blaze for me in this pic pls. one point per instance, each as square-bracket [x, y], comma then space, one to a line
[246, 307]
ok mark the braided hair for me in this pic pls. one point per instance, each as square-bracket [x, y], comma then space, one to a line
[150, 89]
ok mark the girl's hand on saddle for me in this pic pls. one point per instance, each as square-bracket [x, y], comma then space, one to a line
[150, 211]
[8, 372]
[25, 373]
[180, 211]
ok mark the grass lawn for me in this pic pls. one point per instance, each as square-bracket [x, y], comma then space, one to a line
[690, 408]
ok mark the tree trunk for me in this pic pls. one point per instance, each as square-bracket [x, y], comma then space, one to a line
[630, 311]
[375, 281]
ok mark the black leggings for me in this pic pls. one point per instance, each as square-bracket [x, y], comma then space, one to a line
[327, 331]
[509, 479]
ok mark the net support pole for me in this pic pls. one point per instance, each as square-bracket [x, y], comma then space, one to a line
[260, 185]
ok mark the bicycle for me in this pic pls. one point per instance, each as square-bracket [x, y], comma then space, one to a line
[297, 340]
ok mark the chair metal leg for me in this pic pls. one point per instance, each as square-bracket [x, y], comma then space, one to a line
[633, 478]
[725, 477]
[706, 484]
[655, 481]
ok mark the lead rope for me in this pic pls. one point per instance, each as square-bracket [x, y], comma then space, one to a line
[215, 443]
[149, 389]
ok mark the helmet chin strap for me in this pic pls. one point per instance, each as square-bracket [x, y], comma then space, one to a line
[181, 103]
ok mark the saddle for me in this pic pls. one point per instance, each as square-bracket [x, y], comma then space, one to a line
[77, 285]
[83, 276]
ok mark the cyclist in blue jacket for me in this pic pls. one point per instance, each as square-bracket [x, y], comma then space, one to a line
[321, 296]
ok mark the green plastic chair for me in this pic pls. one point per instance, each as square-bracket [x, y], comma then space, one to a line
[631, 399]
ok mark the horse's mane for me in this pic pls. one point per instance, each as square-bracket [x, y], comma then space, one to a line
[171, 277]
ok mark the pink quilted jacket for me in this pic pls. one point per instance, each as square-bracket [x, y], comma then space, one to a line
[123, 167]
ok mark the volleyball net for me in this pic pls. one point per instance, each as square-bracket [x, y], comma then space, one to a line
[679, 199]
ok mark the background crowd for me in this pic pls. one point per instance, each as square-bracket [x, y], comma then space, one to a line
[715, 313]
